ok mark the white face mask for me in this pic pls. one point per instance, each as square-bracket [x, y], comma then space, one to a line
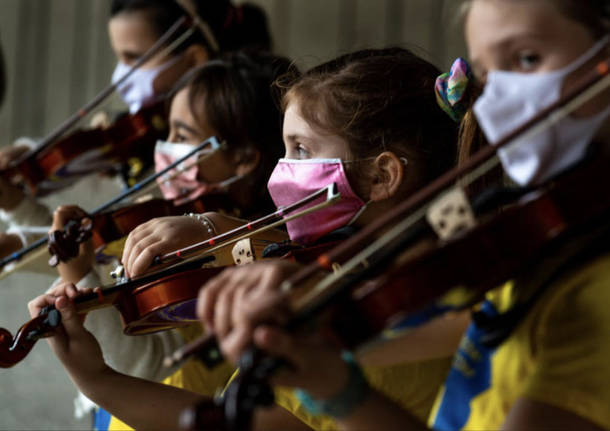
[186, 185]
[138, 89]
[510, 99]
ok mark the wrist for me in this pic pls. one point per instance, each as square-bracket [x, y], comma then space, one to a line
[343, 402]
[205, 221]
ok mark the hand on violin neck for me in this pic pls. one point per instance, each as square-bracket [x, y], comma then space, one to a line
[73, 345]
[160, 236]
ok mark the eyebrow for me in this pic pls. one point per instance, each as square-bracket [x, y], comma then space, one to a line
[131, 54]
[181, 125]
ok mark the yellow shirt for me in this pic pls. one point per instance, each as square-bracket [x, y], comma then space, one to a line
[558, 355]
[414, 386]
[193, 376]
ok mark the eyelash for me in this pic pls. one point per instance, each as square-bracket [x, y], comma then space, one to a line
[301, 152]
[528, 56]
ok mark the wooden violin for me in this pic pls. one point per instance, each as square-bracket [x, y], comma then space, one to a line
[78, 234]
[166, 298]
[131, 136]
[388, 281]
[108, 226]
[59, 156]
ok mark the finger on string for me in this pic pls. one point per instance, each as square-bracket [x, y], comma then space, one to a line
[145, 258]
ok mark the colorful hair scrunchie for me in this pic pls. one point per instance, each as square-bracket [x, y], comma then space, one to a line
[451, 87]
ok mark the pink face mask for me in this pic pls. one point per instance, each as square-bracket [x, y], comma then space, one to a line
[185, 186]
[293, 180]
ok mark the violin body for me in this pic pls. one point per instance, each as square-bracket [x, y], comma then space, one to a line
[499, 248]
[112, 225]
[85, 151]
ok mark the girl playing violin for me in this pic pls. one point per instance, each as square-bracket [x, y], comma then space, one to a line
[545, 367]
[230, 98]
[368, 121]
[134, 26]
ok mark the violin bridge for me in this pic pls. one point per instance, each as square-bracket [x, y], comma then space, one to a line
[243, 252]
[451, 213]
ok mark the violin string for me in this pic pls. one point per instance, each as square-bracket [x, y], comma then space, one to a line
[323, 287]
[263, 229]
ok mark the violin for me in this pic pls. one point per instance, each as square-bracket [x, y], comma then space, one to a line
[108, 226]
[131, 136]
[390, 281]
[57, 158]
[165, 298]
[79, 234]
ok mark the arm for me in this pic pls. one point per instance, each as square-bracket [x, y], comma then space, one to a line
[167, 234]
[142, 404]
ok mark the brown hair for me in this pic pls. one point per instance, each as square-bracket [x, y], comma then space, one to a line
[235, 96]
[594, 15]
[376, 100]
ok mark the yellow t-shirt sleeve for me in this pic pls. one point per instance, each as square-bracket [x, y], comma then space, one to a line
[571, 346]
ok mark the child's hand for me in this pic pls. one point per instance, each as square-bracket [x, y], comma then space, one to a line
[73, 345]
[233, 303]
[160, 236]
[76, 268]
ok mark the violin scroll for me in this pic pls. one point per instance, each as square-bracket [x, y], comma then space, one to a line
[13, 350]
[64, 244]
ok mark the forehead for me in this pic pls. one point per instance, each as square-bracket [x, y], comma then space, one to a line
[131, 31]
[294, 123]
[491, 23]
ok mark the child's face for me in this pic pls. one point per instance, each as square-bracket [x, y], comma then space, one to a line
[303, 142]
[529, 36]
[522, 36]
[184, 128]
[131, 35]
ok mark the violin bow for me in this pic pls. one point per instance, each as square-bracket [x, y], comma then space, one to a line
[124, 195]
[158, 46]
[263, 224]
[14, 349]
[344, 262]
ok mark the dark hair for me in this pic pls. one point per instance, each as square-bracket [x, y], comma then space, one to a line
[235, 96]
[233, 27]
[381, 99]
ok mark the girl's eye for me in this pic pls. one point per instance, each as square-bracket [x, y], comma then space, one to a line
[528, 61]
[180, 138]
[302, 152]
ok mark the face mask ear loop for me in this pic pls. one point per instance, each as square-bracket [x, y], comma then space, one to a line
[359, 213]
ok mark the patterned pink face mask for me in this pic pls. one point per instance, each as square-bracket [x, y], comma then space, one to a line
[185, 186]
[293, 180]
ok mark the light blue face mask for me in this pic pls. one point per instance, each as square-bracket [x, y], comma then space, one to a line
[138, 90]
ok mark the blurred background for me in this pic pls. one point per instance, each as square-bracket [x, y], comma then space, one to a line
[57, 57]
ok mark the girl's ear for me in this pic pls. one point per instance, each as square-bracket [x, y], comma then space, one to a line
[388, 174]
[197, 55]
[246, 161]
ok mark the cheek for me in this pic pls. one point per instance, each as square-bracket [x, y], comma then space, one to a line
[216, 168]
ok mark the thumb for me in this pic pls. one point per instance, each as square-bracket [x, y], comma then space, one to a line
[69, 317]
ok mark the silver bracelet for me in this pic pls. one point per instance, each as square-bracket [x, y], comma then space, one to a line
[204, 220]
